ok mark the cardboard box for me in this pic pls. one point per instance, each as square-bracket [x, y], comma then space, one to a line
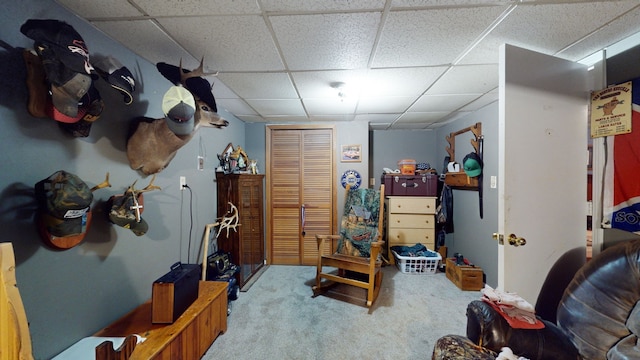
[174, 292]
[465, 277]
[410, 185]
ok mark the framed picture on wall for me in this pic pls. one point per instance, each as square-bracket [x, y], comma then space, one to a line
[351, 153]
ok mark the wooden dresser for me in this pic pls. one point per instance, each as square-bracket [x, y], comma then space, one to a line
[410, 220]
[246, 246]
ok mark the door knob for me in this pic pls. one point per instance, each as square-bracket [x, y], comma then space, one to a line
[517, 241]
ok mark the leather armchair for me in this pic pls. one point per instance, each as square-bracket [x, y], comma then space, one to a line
[598, 317]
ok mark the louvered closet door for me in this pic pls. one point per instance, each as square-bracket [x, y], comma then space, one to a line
[300, 181]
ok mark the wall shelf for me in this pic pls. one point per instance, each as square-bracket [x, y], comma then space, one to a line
[460, 180]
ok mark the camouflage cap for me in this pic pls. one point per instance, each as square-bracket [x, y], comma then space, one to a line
[64, 204]
[124, 210]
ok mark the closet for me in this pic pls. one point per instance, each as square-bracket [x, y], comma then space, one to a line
[300, 191]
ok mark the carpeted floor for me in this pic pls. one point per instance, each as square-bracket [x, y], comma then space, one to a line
[278, 319]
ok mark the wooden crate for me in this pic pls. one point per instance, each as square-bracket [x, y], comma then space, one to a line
[465, 277]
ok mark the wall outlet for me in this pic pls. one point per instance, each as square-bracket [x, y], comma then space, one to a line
[183, 182]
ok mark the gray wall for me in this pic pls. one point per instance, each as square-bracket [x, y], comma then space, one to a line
[472, 236]
[390, 146]
[72, 294]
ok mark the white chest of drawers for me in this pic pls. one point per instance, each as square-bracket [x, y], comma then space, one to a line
[410, 220]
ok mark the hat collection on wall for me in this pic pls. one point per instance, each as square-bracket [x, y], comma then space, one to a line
[61, 86]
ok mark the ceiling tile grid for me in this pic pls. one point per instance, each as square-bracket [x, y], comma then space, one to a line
[414, 64]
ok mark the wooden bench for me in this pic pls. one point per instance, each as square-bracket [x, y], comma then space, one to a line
[189, 337]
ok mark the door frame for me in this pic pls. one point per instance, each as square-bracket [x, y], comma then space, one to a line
[268, 129]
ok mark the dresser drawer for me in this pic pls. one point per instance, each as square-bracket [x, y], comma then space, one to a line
[411, 221]
[412, 205]
[397, 236]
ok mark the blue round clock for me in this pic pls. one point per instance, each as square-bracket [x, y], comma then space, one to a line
[352, 178]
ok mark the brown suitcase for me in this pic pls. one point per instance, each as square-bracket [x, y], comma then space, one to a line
[174, 292]
[410, 185]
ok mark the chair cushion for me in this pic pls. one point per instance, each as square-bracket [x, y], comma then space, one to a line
[629, 346]
[356, 240]
[359, 226]
[598, 310]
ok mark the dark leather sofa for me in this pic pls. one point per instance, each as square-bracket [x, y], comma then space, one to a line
[597, 315]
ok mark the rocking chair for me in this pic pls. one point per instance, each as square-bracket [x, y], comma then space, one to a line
[357, 256]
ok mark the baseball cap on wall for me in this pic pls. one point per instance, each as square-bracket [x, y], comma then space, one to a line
[472, 164]
[197, 85]
[179, 107]
[62, 40]
[118, 76]
[124, 210]
[64, 209]
[90, 110]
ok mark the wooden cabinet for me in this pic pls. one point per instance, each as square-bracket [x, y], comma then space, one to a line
[245, 191]
[410, 220]
[189, 337]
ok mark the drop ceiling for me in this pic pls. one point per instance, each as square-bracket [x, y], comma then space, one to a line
[405, 64]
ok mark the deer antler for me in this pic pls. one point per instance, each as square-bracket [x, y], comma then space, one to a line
[103, 184]
[195, 73]
[150, 187]
[229, 222]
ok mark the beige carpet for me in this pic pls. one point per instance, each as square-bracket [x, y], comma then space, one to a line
[279, 319]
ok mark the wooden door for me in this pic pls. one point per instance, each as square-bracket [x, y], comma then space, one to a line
[300, 191]
[542, 165]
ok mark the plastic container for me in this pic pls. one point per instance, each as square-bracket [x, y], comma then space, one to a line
[417, 265]
[407, 166]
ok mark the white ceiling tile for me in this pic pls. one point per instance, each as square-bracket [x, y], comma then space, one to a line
[278, 107]
[330, 106]
[341, 117]
[287, 118]
[548, 28]
[424, 117]
[471, 79]
[399, 82]
[325, 41]
[482, 101]
[233, 43]
[428, 37]
[441, 3]
[328, 41]
[378, 118]
[388, 104]
[197, 7]
[144, 38]
[442, 102]
[221, 90]
[607, 35]
[235, 106]
[319, 5]
[101, 9]
[317, 84]
[260, 85]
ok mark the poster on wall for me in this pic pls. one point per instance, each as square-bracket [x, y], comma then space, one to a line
[611, 110]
